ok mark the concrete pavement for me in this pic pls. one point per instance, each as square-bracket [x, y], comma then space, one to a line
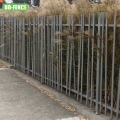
[22, 97]
[21, 101]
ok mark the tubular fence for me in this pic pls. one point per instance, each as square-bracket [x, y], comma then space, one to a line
[81, 60]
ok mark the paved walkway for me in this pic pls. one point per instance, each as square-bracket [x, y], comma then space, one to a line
[19, 100]
[24, 98]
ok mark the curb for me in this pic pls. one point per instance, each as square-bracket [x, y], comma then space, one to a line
[8, 65]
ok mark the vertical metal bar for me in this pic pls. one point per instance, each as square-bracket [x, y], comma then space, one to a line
[40, 42]
[20, 40]
[28, 46]
[17, 43]
[106, 54]
[51, 34]
[12, 38]
[38, 48]
[9, 40]
[37, 45]
[61, 75]
[88, 63]
[57, 53]
[79, 59]
[58, 58]
[6, 39]
[52, 50]
[71, 54]
[118, 96]
[3, 33]
[92, 63]
[101, 64]
[14, 42]
[113, 63]
[48, 51]
[67, 61]
[20, 44]
[16, 61]
[6, 47]
[34, 47]
[60, 51]
[42, 49]
[54, 55]
[23, 44]
[3, 37]
[59, 61]
[74, 70]
[54, 79]
[98, 66]
[70, 67]
[51, 54]
[82, 19]
[38, 34]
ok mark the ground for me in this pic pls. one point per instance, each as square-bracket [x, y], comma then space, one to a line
[20, 100]
[24, 98]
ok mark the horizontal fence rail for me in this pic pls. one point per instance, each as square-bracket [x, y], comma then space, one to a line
[79, 59]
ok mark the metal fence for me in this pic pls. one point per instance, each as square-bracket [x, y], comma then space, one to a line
[79, 57]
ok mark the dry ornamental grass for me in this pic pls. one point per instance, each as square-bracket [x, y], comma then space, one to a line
[53, 7]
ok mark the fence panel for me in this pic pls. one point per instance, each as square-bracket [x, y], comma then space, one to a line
[79, 59]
